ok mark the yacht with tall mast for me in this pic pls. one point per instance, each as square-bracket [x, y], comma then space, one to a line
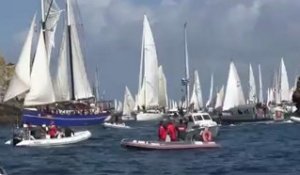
[64, 101]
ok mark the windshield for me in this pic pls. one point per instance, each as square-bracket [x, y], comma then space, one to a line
[198, 117]
[206, 117]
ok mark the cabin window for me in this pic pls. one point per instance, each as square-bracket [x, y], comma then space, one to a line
[198, 117]
[206, 117]
[190, 119]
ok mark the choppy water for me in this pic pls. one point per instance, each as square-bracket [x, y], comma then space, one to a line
[246, 149]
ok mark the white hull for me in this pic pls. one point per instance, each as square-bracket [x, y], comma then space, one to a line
[77, 137]
[114, 125]
[295, 119]
[128, 117]
[148, 116]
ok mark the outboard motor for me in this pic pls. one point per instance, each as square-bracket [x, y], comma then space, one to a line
[2, 171]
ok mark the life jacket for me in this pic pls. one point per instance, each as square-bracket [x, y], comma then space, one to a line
[162, 133]
[206, 136]
[172, 132]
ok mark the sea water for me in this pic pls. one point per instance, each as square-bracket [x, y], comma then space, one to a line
[271, 148]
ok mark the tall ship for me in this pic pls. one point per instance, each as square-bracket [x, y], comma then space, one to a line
[65, 99]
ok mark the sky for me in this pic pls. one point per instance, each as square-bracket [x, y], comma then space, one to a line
[256, 32]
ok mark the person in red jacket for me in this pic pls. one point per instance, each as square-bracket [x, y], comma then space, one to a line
[162, 132]
[172, 131]
[52, 131]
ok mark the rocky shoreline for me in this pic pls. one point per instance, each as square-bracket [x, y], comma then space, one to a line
[9, 114]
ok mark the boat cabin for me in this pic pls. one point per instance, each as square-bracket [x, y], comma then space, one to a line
[200, 118]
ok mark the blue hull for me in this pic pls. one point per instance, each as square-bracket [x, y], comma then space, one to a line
[64, 120]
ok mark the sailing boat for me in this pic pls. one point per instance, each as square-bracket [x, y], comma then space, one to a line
[252, 99]
[128, 105]
[219, 99]
[148, 92]
[42, 94]
[260, 97]
[196, 98]
[235, 109]
[211, 100]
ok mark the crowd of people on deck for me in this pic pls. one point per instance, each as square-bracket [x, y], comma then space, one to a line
[169, 132]
[89, 109]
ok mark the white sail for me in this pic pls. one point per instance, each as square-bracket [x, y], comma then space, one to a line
[284, 83]
[276, 89]
[150, 79]
[260, 97]
[210, 98]
[252, 86]
[82, 86]
[234, 95]
[50, 16]
[162, 96]
[196, 98]
[128, 104]
[120, 106]
[220, 98]
[269, 96]
[41, 89]
[61, 82]
[20, 82]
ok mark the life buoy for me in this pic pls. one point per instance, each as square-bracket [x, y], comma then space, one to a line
[206, 136]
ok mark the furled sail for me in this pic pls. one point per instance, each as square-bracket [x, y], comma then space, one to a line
[260, 97]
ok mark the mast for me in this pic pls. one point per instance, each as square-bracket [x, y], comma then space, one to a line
[261, 98]
[44, 18]
[70, 51]
[187, 74]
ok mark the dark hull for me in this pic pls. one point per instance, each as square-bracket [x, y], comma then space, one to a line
[155, 145]
[235, 120]
[64, 120]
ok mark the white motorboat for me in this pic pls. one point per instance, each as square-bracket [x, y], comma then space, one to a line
[116, 125]
[149, 116]
[201, 120]
[46, 142]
